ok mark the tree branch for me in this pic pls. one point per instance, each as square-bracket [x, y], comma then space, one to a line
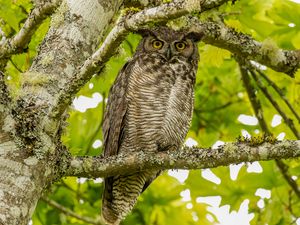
[70, 212]
[186, 158]
[256, 105]
[94, 64]
[218, 34]
[284, 171]
[17, 43]
[289, 122]
[280, 92]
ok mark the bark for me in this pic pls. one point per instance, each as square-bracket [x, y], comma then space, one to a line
[30, 149]
[186, 158]
[23, 37]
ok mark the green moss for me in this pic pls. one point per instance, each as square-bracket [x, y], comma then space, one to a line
[34, 78]
[47, 59]
[59, 17]
[270, 48]
[192, 5]
[178, 23]
[129, 10]
[257, 139]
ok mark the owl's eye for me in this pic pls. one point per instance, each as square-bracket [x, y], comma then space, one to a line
[180, 45]
[157, 44]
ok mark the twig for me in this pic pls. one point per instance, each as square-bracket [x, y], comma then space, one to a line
[280, 92]
[17, 43]
[284, 171]
[218, 107]
[186, 158]
[256, 105]
[16, 67]
[289, 122]
[69, 212]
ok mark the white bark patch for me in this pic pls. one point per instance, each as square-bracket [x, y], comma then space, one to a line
[263, 152]
[91, 11]
[10, 165]
[75, 163]
[223, 33]
[76, 34]
[9, 124]
[7, 147]
[24, 210]
[2, 217]
[69, 70]
[192, 5]
[47, 172]
[23, 182]
[15, 211]
[31, 161]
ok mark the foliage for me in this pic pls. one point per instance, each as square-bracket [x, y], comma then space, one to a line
[220, 99]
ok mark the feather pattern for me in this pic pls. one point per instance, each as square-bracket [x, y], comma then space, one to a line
[149, 109]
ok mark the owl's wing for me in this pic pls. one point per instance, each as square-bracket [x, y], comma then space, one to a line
[113, 126]
[115, 114]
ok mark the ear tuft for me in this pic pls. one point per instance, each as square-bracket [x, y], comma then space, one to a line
[195, 35]
[144, 32]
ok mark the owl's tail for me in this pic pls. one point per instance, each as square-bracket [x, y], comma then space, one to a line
[121, 193]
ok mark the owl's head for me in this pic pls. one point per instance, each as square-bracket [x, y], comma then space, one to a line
[169, 43]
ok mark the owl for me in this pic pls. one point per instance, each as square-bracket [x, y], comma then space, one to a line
[149, 109]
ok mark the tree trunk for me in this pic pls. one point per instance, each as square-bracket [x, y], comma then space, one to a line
[30, 150]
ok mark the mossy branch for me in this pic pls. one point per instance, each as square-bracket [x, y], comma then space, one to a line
[164, 12]
[186, 158]
[217, 34]
[19, 42]
[243, 45]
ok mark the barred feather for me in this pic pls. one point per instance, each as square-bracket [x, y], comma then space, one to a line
[149, 109]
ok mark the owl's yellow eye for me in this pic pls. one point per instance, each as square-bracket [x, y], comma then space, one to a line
[157, 44]
[180, 45]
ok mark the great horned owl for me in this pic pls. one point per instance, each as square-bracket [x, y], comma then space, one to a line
[149, 109]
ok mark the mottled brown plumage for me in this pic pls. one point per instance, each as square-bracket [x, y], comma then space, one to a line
[149, 109]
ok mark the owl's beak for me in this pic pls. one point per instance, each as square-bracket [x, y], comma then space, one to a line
[168, 53]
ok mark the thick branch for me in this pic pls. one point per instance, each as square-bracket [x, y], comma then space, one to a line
[23, 37]
[186, 158]
[243, 45]
[215, 34]
[163, 12]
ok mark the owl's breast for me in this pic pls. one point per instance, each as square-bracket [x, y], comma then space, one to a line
[160, 103]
